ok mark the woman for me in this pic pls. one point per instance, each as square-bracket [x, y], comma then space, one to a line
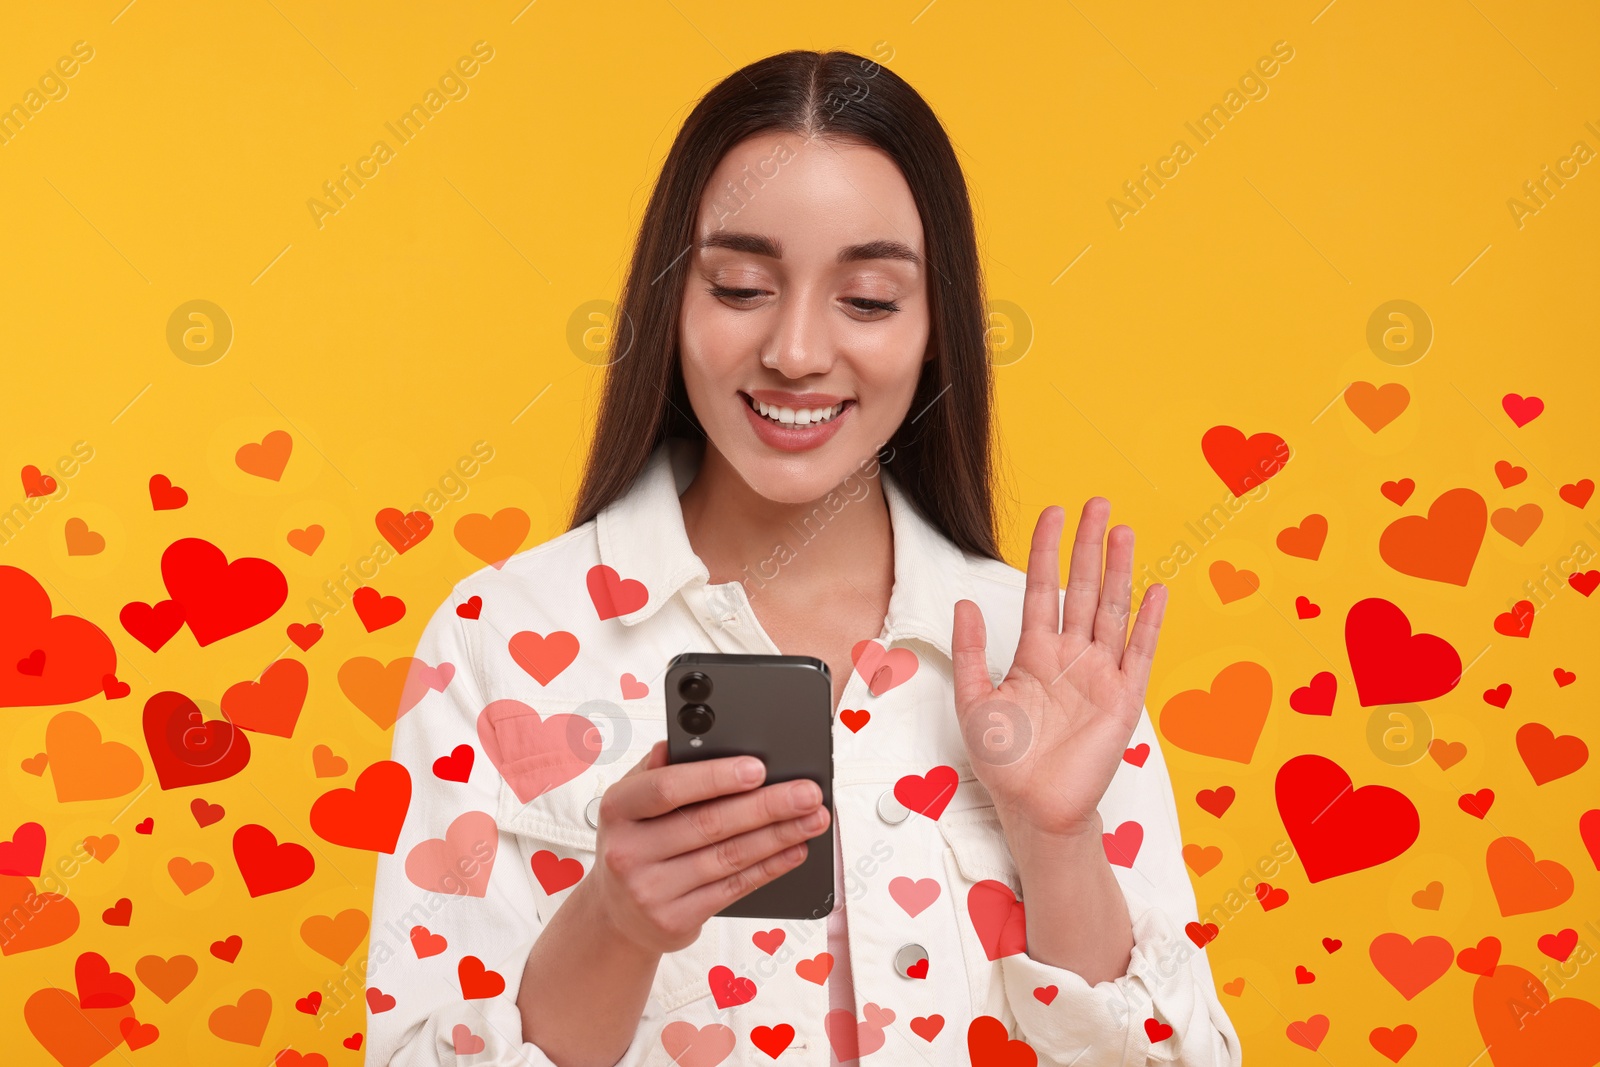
[793, 456]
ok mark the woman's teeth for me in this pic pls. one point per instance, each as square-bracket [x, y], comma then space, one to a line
[795, 416]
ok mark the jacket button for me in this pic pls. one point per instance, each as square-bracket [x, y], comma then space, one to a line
[909, 956]
[591, 813]
[890, 809]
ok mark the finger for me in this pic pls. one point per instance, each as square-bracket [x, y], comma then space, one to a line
[658, 790]
[1116, 593]
[656, 757]
[710, 864]
[968, 657]
[1041, 598]
[697, 825]
[712, 898]
[1146, 630]
[1083, 577]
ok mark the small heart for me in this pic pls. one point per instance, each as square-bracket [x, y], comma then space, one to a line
[353, 1042]
[228, 948]
[82, 541]
[855, 719]
[1332, 945]
[927, 1027]
[36, 764]
[1137, 754]
[114, 689]
[816, 969]
[1156, 1031]
[1399, 492]
[1271, 897]
[456, 767]
[470, 608]
[465, 1041]
[35, 483]
[164, 496]
[1518, 622]
[1522, 409]
[1446, 753]
[1564, 678]
[1509, 475]
[768, 941]
[101, 848]
[1499, 695]
[1477, 804]
[1429, 898]
[119, 914]
[146, 825]
[1305, 608]
[1559, 946]
[205, 813]
[556, 874]
[309, 1003]
[1233, 988]
[1578, 493]
[728, 989]
[918, 969]
[307, 539]
[326, 764]
[1045, 994]
[633, 689]
[1215, 801]
[304, 636]
[137, 1034]
[1303, 976]
[1481, 958]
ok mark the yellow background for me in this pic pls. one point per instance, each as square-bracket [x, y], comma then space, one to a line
[433, 309]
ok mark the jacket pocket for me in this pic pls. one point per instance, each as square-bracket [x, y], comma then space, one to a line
[976, 851]
[560, 825]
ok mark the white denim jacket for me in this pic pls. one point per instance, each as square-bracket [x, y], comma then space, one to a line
[461, 899]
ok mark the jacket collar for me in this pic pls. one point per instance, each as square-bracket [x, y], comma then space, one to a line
[642, 536]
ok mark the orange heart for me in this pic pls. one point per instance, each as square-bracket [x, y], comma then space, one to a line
[36, 764]
[383, 692]
[188, 876]
[83, 766]
[1376, 406]
[76, 1036]
[1233, 988]
[1447, 753]
[101, 848]
[816, 969]
[1202, 858]
[1224, 721]
[50, 918]
[306, 540]
[1411, 966]
[1304, 541]
[1232, 584]
[1522, 884]
[337, 936]
[326, 764]
[1517, 526]
[1536, 1031]
[493, 540]
[166, 978]
[266, 458]
[271, 705]
[1442, 546]
[82, 541]
[1429, 898]
[243, 1022]
[1547, 756]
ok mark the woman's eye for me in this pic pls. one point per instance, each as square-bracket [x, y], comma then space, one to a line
[723, 292]
[864, 304]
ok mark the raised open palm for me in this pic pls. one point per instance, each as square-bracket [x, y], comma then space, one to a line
[1046, 742]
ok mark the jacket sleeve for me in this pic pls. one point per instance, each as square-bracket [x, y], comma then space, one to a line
[1168, 978]
[423, 940]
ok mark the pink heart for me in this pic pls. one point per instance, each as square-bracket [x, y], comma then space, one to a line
[633, 689]
[466, 1042]
[535, 755]
[1123, 845]
[435, 678]
[913, 897]
[876, 1017]
[543, 655]
[883, 669]
[998, 917]
[850, 1039]
[690, 1046]
[455, 864]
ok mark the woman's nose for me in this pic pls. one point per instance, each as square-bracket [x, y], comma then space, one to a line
[800, 344]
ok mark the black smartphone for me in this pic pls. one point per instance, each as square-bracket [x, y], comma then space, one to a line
[779, 709]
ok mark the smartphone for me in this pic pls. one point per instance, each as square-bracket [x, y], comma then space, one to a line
[779, 709]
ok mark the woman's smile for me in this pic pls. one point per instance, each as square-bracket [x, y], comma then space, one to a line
[795, 422]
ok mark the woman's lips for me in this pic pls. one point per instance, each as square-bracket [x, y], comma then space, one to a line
[792, 438]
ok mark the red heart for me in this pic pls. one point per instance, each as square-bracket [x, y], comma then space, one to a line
[425, 942]
[918, 969]
[1156, 1031]
[1271, 897]
[1045, 994]
[305, 636]
[267, 866]
[271, 705]
[152, 625]
[727, 989]
[477, 981]
[1480, 958]
[927, 1027]
[32, 664]
[998, 917]
[1547, 756]
[24, 853]
[1305, 608]
[368, 816]
[1499, 695]
[402, 531]
[119, 914]
[1332, 944]
[1201, 935]
[470, 608]
[35, 483]
[881, 668]
[1509, 475]
[772, 1039]
[353, 1042]
[115, 689]
[456, 767]
[1476, 804]
[1336, 829]
[1243, 463]
[188, 749]
[164, 496]
[1559, 946]
[1137, 754]
[98, 985]
[309, 1003]
[137, 1034]
[220, 598]
[614, 595]
[554, 873]
[1399, 492]
[228, 948]
[145, 825]
[205, 813]
[1522, 410]
[1391, 665]
[378, 1000]
[1303, 976]
[1316, 698]
[1563, 677]
[990, 1045]
[1215, 801]
[1122, 844]
[377, 610]
[768, 941]
[1577, 493]
[1518, 622]
[854, 718]
[543, 656]
[927, 794]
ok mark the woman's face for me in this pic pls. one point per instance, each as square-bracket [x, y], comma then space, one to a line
[806, 290]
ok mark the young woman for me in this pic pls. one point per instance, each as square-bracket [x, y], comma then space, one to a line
[793, 455]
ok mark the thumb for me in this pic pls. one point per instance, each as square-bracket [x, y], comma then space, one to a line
[968, 645]
[656, 757]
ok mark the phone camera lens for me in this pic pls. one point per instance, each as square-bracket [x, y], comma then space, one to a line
[694, 686]
[695, 718]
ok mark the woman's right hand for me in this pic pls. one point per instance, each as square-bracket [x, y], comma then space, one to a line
[677, 843]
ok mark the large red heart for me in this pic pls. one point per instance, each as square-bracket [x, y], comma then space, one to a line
[188, 749]
[1241, 463]
[998, 917]
[929, 793]
[267, 866]
[1391, 664]
[368, 816]
[1336, 829]
[533, 754]
[220, 598]
[77, 653]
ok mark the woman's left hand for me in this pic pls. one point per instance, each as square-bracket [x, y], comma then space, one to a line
[1047, 741]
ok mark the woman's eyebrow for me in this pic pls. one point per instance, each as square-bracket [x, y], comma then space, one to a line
[761, 245]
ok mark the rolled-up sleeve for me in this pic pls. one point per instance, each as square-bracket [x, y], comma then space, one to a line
[1168, 979]
[424, 942]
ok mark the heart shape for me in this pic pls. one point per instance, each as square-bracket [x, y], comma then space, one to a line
[533, 754]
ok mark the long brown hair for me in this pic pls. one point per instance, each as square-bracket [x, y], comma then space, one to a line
[942, 454]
